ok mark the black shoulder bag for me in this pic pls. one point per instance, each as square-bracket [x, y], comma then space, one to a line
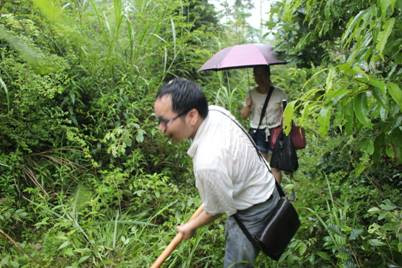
[283, 225]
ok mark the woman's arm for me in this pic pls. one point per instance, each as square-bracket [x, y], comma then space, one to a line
[246, 110]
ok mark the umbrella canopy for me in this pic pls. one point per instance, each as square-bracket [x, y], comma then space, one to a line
[242, 56]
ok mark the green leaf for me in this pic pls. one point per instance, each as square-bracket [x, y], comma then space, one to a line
[388, 205]
[396, 93]
[117, 6]
[360, 71]
[330, 79]
[379, 90]
[375, 83]
[399, 4]
[140, 136]
[367, 146]
[376, 243]
[363, 164]
[346, 68]
[4, 86]
[324, 120]
[83, 258]
[288, 116]
[288, 10]
[335, 95]
[65, 244]
[81, 197]
[373, 210]
[383, 114]
[50, 9]
[396, 137]
[353, 70]
[347, 37]
[383, 35]
[324, 255]
[348, 114]
[305, 113]
[302, 249]
[173, 36]
[360, 109]
[355, 234]
[389, 152]
[384, 5]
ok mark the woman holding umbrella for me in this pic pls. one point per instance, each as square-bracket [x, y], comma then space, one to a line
[259, 57]
[262, 123]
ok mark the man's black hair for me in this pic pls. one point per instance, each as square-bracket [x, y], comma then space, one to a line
[186, 95]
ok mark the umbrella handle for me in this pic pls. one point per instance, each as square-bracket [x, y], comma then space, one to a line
[174, 243]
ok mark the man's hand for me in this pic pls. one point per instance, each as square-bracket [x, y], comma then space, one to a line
[186, 230]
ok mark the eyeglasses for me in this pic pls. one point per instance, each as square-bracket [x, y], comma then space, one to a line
[166, 122]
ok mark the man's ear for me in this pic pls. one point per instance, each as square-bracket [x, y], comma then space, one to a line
[193, 116]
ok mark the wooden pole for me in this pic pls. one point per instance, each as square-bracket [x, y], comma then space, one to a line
[174, 243]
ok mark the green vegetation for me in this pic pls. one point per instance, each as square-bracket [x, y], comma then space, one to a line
[86, 179]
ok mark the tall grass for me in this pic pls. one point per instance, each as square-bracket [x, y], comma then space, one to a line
[122, 36]
[4, 86]
[336, 228]
[90, 207]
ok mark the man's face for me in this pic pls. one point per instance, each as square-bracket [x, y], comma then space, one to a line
[171, 124]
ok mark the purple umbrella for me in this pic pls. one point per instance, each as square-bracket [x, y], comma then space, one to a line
[241, 56]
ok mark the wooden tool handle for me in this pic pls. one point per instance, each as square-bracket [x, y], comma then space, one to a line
[174, 243]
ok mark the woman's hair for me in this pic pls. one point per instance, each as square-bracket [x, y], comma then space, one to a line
[265, 68]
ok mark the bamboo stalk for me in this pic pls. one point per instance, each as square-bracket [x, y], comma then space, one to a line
[174, 243]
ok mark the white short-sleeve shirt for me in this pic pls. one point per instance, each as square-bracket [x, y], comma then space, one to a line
[229, 174]
[273, 114]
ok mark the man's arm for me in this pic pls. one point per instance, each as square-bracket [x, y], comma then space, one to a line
[189, 227]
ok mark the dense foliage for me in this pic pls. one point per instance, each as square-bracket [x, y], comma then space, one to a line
[85, 176]
[351, 98]
[86, 180]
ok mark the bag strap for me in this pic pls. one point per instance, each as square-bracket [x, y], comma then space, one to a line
[246, 232]
[247, 134]
[280, 190]
[264, 107]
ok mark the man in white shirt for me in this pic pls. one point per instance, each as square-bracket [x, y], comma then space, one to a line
[230, 176]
